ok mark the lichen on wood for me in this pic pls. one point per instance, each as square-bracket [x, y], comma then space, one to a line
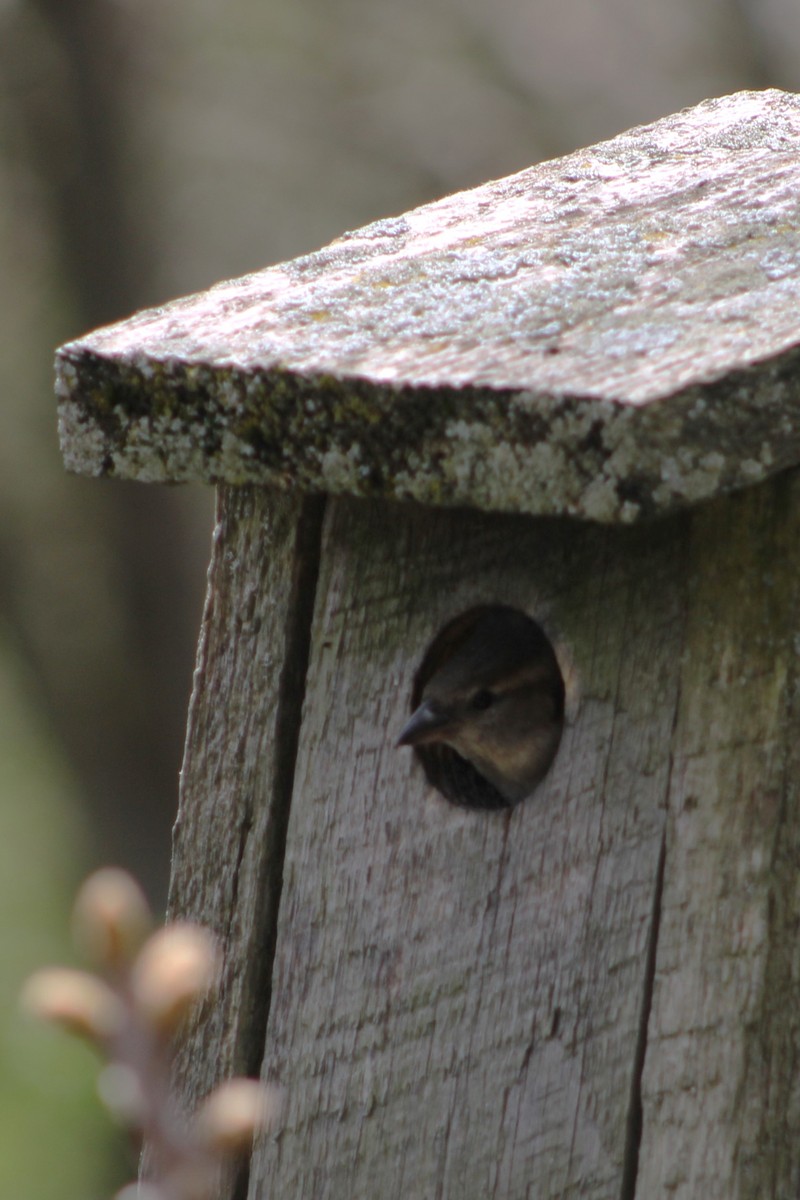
[612, 334]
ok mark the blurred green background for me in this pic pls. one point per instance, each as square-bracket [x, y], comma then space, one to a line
[149, 148]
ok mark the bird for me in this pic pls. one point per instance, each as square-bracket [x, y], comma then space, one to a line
[488, 703]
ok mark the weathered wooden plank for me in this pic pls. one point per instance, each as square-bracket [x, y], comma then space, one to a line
[612, 334]
[721, 1084]
[238, 765]
[458, 996]
[459, 999]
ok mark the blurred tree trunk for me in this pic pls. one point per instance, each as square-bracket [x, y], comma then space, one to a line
[101, 588]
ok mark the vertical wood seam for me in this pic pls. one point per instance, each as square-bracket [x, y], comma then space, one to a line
[634, 1122]
[777, 979]
[291, 693]
[634, 1125]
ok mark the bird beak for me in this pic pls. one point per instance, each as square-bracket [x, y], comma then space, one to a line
[424, 725]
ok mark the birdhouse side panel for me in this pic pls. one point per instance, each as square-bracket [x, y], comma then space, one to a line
[236, 777]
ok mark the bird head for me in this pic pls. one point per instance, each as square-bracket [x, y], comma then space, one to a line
[491, 690]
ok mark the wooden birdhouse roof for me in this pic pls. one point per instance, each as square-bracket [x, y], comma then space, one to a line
[613, 334]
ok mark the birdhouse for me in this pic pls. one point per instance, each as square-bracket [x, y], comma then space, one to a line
[536, 440]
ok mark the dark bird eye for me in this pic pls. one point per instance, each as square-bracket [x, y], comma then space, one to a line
[482, 699]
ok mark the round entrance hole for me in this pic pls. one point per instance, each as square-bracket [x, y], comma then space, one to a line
[487, 708]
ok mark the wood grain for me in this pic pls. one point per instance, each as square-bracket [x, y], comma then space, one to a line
[457, 997]
[238, 766]
[595, 995]
[721, 1086]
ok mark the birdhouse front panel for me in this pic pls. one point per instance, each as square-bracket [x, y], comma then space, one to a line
[454, 987]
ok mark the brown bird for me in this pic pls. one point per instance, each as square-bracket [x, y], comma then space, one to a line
[489, 708]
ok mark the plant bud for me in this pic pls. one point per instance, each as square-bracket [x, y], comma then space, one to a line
[77, 1001]
[175, 968]
[141, 1191]
[234, 1113]
[111, 917]
[120, 1089]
